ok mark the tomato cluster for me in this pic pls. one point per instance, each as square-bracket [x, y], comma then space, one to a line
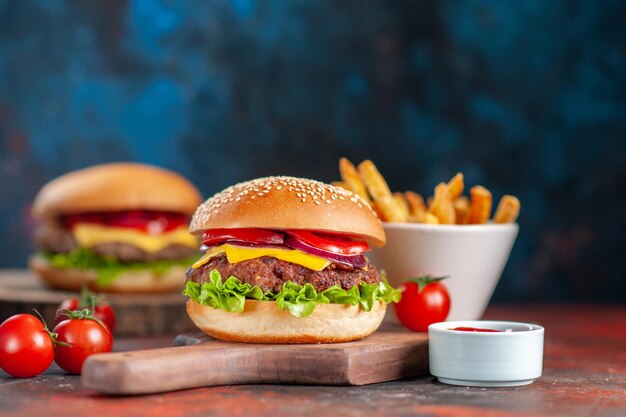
[101, 308]
[143, 220]
[27, 347]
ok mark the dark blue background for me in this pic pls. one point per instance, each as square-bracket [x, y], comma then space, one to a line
[525, 97]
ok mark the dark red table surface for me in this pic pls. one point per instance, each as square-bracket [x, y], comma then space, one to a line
[584, 375]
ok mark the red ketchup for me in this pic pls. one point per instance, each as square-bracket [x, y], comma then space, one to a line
[476, 329]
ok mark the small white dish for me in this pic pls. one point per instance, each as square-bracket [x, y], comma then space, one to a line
[472, 256]
[511, 357]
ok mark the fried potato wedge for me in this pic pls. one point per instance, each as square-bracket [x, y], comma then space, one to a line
[480, 205]
[508, 210]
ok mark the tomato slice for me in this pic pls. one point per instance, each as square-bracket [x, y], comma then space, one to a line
[335, 244]
[154, 222]
[214, 237]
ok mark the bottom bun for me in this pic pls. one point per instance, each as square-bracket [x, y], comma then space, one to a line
[264, 322]
[143, 281]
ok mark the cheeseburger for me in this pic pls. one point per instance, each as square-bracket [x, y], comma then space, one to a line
[119, 227]
[284, 263]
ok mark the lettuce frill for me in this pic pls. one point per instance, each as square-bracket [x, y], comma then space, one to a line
[108, 268]
[299, 300]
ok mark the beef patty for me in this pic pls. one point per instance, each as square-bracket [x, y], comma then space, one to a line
[129, 253]
[55, 239]
[269, 274]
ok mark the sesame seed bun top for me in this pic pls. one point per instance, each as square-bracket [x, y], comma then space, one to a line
[116, 187]
[283, 203]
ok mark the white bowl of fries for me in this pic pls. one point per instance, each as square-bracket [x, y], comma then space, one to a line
[472, 257]
[447, 235]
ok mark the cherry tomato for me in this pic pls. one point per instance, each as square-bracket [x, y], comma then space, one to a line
[103, 310]
[214, 237]
[26, 348]
[425, 301]
[335, 244]
[80, 338]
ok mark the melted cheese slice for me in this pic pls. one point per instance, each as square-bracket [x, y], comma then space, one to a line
[89, 235]
[242, 253]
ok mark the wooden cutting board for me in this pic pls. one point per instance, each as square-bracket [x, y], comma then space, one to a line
[136, 314]
[384, 356]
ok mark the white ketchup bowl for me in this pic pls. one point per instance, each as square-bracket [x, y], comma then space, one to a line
[511, 357]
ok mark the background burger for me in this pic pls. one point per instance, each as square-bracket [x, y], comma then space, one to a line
[119, 227]
[284, 264]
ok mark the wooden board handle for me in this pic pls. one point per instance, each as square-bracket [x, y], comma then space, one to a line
[170, 369]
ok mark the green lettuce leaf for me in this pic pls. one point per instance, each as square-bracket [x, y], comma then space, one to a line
[228, 296]
[381, 291]
[299, 300]
[108, 268]
[338, 295]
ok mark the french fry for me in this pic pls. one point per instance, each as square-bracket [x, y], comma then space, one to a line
[416, 202]
[378, 211]
[424, 217]
[402, 203]
[455, 186]
[508, 210]
[390, 209]
[341, 184]
[417, 208]
[442, 206]
[480, 205]
[462, 209]
[351, 178]
[446, 206]
[379, 190]
[431, 218]
[416, 218]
